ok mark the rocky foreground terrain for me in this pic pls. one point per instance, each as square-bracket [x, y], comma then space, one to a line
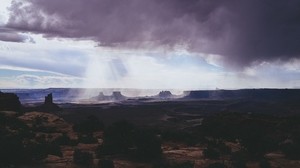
[181, 134]
[49, 141]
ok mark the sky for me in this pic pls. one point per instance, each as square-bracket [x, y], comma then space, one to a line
[153, 44]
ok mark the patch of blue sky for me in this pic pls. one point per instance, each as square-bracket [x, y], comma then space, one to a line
[187, 60]
[66, 55]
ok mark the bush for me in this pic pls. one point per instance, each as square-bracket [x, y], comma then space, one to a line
[54, 149]
[82, 158]
[164, 164]
[239, 159]
[89, 125]
[124, 138]
[148, 146]
[291, 150]
[65, 140]
[39, 151]
[220, 146]
[181, 137]
[184, 165]
[211, 153]
[12, 151]
[105, 163]
[87, 139]
[118, 138]
[217, 165]
[264, 163]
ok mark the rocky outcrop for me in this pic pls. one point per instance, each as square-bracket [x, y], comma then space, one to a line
[48, 105]
[9, 102]
[49, 99]
[46, 121]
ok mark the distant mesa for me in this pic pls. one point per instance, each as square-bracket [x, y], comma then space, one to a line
[257, 94]
[165, 94]
[198, 95]
[9, 102]
[118, 96]
[115, 96]
[101, 95]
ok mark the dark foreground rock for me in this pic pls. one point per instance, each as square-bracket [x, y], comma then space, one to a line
[10, 102]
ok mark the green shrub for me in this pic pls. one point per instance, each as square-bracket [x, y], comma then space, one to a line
[82, 158]
[65, 140]
[87, 139]
[106, 163]
[184, 165]
[13, 132]
[181, 137]
[239, 159]
[12, 151]
[148, 146]
[211, 153]
[264, 163]
[291, 150]
[124, 138]
[217, 165]
[89, 125]
[219, 145]
[39, 151]
[118, 138]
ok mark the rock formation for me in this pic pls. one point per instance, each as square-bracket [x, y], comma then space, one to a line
[118, 96]
[165, 94]
[115, 96]
[48, 105]
[49, 99]
[9, 102]
[101, 97]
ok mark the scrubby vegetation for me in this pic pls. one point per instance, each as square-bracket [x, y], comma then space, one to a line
[89, 125]
[18, 145]
[187, 164]
[218, 140]
[124, 138]
[256, 134]
[82, 158]
[217, 165]
[105, 163]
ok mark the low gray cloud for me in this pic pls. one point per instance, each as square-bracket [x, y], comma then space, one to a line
[10, 35]
[242, 31]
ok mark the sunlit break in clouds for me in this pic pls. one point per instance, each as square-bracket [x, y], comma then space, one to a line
[155, 44]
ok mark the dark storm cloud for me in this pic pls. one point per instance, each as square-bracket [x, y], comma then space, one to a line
[243, 31]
